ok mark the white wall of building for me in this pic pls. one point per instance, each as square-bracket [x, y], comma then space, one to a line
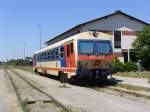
[126, 42]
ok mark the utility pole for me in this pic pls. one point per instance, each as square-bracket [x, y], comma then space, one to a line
[40, 33]
[24, 52]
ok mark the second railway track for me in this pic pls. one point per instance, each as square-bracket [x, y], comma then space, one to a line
[31, 97]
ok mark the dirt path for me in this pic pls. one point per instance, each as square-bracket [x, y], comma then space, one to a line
[81, 99]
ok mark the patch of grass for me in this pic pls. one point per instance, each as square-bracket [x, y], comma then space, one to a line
[137, 74]
[134, 88]
[25, 68]
[25, 106]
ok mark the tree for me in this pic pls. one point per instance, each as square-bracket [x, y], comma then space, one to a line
[142, 43]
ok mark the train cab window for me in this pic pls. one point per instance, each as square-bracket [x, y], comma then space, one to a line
[61, 52]
[71, 45]
[56, 54]
[86, 47]
[68, 50]
[104, 47]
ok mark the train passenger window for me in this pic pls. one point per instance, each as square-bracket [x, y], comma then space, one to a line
[68, 50]
[56, 54]
[49, 55]
[45, 56]
[71, 48]
[52, 54]
[61, 52]
[38, 57]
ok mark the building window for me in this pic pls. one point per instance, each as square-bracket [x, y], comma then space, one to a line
[117, 39]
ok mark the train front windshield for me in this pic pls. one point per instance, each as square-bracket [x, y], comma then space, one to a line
[95, 47]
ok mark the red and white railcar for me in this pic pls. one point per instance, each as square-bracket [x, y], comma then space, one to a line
[83, 55]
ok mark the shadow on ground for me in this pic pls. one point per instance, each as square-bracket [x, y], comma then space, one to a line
[86, 82]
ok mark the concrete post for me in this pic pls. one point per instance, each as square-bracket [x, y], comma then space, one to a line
[128, 55]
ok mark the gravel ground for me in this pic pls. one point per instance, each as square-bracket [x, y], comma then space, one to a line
[82, 99]
[142, 82]
[8, 101]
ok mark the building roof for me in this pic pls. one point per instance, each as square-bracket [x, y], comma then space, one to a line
[53, 40]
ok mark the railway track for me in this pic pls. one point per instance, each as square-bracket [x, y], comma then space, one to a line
[31, 97]
[74, 102]
[109, 87]
[123, 93]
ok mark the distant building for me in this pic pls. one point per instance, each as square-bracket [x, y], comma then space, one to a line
[121, 27]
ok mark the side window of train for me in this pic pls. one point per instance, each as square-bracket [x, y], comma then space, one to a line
[52, 54]
[68, 50]
[71, 45]
[61, 52]
[56, 53]
[42, 56]
[38, 57]
[45, 56]
[48, 53]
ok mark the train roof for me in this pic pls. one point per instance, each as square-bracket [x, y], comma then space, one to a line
[81, 35]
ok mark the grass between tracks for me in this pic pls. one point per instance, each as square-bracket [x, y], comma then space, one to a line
[25, 106]
[125, 87]
[137, 74]
[133, 88]
[25, 68]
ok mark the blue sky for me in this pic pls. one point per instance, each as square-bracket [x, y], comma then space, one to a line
[19, 20]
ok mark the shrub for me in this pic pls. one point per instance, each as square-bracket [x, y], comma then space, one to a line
[129, 66]
[118, 65]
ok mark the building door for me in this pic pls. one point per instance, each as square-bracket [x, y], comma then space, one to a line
[70, 55]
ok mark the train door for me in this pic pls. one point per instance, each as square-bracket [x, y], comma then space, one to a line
[70, 55]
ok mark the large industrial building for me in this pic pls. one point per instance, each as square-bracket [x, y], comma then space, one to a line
[119, 25]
